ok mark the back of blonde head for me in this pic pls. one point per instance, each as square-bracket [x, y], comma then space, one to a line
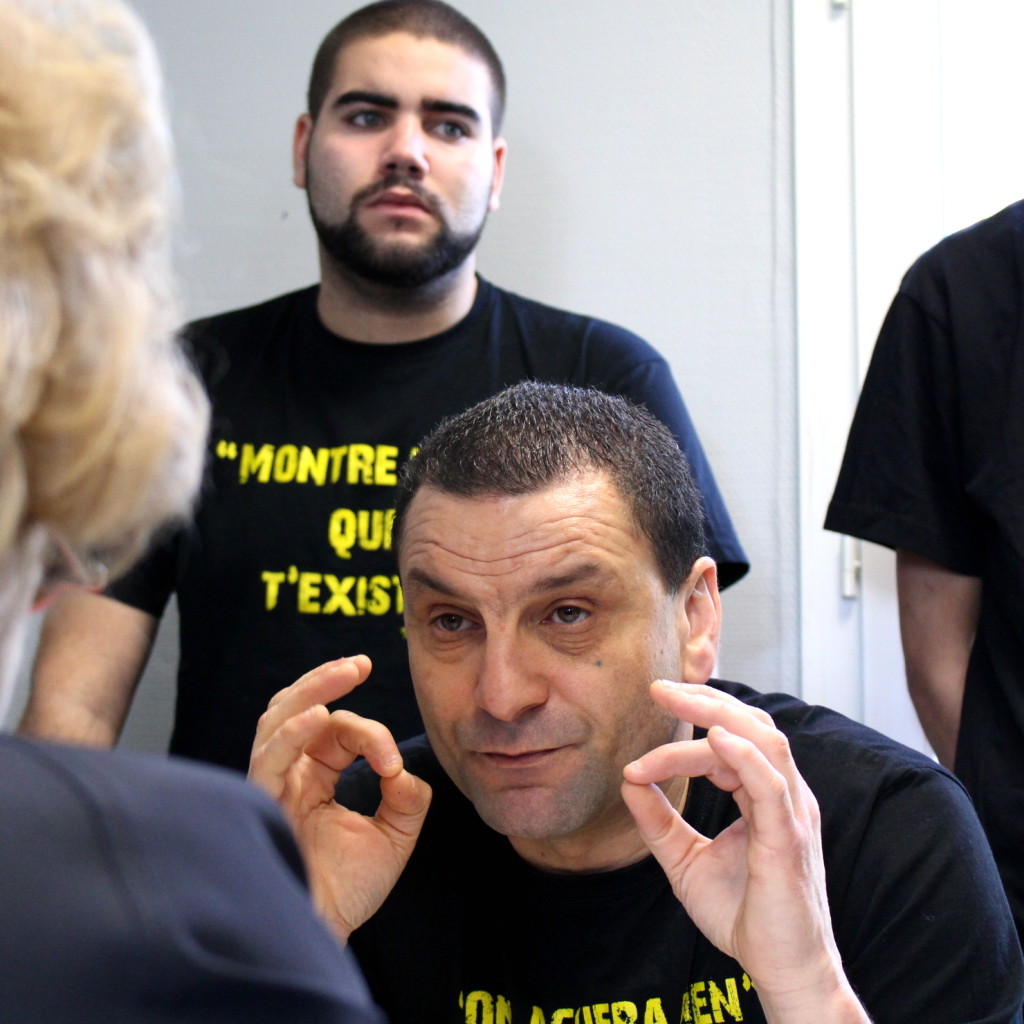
[101, 422]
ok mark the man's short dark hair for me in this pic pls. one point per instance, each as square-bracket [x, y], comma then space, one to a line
[426, 19]
[531, 436]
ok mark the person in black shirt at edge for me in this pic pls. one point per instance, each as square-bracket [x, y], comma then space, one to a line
[563, 623]
[933, 469]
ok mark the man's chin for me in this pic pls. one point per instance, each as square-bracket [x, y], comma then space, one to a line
[528, 812]
[406, 254]
[401, 270]
[406, 260]
[386, 234]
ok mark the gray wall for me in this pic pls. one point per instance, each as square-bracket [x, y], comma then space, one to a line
[649, 182]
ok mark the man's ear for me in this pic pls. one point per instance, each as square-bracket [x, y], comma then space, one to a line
[699, 620]
[300, 149]
[500, 152]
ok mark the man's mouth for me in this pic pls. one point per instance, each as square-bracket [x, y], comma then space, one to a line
[518, 759]
[400, 201]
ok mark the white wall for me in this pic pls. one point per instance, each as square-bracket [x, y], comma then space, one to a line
[649, 182]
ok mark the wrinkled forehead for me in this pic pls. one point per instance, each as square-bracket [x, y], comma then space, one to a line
[496, 530]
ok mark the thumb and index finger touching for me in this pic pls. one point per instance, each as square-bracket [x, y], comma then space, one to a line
[297, 725]
[743, 753]
[295, 716]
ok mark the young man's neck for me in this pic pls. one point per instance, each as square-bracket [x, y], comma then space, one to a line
[378, 315]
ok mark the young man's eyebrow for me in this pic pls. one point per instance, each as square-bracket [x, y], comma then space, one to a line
[379, 99]
[449, 107]
[375, 99]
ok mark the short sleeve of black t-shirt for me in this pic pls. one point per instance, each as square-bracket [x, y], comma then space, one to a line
[933, 449]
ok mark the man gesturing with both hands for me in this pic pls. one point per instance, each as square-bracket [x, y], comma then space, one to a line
[804, 868]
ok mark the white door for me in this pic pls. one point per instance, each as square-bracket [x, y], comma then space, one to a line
[907, 115]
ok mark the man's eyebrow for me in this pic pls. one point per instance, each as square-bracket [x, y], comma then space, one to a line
[424, 579]
[450, 107]
[581, 574]
[561, 581]
[380, 99]
[376, 99]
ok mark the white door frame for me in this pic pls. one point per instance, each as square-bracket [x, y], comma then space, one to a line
[865, 206]
[830, 646]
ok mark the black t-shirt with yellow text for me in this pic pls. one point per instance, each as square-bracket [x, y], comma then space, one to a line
[288, 562]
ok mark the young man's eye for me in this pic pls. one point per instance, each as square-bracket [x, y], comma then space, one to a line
[452, 130]
[366, 119]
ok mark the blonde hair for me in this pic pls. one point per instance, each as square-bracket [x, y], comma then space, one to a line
[102, 424]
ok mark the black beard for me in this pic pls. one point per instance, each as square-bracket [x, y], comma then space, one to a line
[350, 247]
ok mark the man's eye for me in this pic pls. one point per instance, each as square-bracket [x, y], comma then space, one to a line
[568, 614]
[366, 119]
[451, 130]
[451, 623]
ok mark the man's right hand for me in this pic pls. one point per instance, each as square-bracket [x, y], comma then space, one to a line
[298, 755]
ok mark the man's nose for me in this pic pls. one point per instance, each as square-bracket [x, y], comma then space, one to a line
[509, 681]
[406, 148]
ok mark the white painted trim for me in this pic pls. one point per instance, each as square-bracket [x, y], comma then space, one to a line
[830, 655]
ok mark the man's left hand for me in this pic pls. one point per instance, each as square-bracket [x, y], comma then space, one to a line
[757, 890]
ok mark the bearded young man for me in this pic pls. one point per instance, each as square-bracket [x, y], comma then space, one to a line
[320, 395]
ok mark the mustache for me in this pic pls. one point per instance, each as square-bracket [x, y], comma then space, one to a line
[396, 179]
